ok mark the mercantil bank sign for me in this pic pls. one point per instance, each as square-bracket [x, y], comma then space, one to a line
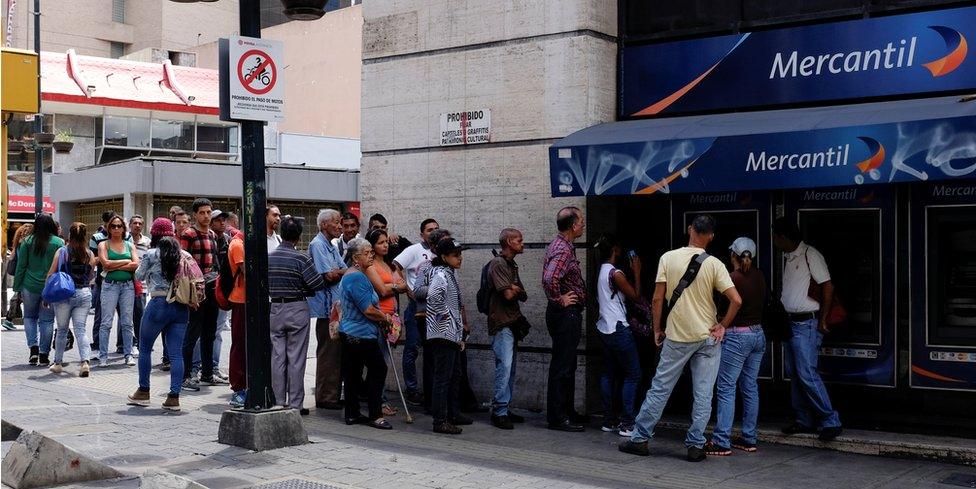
[887, 56]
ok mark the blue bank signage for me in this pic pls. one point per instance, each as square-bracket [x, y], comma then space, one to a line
[926, 150]
[891, 56]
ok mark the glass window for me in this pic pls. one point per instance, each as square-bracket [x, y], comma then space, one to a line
[214, 138]
[131, 132]
[172, 135]
[951, 270]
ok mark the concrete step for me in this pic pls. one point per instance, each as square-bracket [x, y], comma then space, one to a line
[959, 451]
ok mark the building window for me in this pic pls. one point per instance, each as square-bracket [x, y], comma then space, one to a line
[118, 11]
[120, 138]
[213, 138]
[129, 132]
[172, 134]
[117, 49]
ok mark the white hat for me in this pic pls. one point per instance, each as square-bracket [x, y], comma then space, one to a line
[742, 245]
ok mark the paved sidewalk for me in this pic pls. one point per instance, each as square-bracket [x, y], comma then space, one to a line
[90, 415]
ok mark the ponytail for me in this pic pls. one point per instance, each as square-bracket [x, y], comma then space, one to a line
[746, 260]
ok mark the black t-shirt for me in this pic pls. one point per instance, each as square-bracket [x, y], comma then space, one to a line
[752, 288]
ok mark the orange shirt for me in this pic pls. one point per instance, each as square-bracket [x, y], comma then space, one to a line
[235, 254]
[387, 304]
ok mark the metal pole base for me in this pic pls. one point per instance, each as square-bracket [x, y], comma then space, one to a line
[262, 430]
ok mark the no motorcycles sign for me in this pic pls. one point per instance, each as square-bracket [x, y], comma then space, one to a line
[250, 70]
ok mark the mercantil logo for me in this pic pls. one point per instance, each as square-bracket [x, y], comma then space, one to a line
[957, 46]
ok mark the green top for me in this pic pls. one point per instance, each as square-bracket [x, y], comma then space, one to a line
[31, 268]
[119, 275]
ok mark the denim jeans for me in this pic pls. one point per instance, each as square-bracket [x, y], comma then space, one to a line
[121, 296]
[621, 360]
[704, 357]
[202, 326]
[810, 400]
[222, 325]
[38, 319]
[506, 352]
[75, 311]
[168, 319]
[742, 353]
[564, 325]
[412, 347]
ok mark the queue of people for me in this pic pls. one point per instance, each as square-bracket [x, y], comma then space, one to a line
[352, 286]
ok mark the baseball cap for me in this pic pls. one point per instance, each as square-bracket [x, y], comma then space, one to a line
[743, 245]
[217, 213]
[448, 245]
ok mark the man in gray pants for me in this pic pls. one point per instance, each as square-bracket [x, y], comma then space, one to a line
[291, 280]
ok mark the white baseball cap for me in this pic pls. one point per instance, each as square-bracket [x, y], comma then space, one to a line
[743, 245]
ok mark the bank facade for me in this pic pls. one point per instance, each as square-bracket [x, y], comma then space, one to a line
[854, 121]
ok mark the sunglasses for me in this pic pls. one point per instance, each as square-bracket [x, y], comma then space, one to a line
[116, 226]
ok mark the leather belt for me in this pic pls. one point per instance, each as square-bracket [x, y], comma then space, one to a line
[286, 300]
[804, 316]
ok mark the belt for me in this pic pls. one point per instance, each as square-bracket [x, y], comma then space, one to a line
[804, 316]
[116, 281]
[744, 329]
[159, 293]
[286, 300]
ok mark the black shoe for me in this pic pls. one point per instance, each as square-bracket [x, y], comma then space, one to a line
[742, 444]
[71, 341]
[93, 346]
[515, 418]
[357, 420]
[447, 428]
[695, 454]
[462, 420]
[118, 349]
[328, 405]
[165, 367]
[42, 360]
[415, 398]
[634, 448]
[303, 412]
[828, 434]
[797, 428]
[566, 425]
[32, 359]
[579, 418]
[502, 422]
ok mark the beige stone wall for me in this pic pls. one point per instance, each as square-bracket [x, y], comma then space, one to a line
[544, 69]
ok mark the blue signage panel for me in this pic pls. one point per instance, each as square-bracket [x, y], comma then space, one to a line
[928, 150]
[890, 56]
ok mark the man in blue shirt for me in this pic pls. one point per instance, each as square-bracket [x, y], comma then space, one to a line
[328, 353]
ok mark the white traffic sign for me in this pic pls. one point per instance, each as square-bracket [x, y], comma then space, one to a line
[256, 89]
[467, 127]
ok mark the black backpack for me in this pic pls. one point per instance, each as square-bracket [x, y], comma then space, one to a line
[483, 298]
[225, 279]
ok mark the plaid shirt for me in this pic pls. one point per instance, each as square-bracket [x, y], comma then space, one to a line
[203, 249]
[561, 271]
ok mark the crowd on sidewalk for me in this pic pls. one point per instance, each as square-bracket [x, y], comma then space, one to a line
[184, 284]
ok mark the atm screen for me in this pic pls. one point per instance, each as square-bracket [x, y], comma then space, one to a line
[729, 225]
[951, 275]
[849, 240]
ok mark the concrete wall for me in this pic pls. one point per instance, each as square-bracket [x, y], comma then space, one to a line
[544, 69]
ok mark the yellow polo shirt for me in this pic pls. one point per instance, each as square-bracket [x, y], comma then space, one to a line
[695, 311]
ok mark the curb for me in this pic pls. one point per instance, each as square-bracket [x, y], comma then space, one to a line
[955, 451]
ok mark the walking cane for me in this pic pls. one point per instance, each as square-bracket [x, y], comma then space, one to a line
[406, 410]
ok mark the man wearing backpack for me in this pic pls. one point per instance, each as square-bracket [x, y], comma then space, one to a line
[687, 276]
[201, 243]
[506, 324]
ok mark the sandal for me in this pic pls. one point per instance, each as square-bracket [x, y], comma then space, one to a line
[389, 410]
[380, 424]
[716, 451]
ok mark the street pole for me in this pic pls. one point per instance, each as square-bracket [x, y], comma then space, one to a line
[257, 310]
[38, 119]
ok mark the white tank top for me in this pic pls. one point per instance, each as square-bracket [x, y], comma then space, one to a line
[612, 309]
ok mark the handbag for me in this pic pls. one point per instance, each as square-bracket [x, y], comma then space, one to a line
[393, 330]
[335, 317]
[59, 287]
[837, 313]
[14, 310]
[187, 287]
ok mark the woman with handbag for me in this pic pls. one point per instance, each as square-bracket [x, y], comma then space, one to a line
[360, 327]
[622, 371]
[388, 284]
[119, 260]
[34, 257]
[742, 353]
[78, 261]
[161, 317]
[14, 307]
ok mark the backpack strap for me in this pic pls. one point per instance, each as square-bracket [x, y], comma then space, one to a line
[690, 273]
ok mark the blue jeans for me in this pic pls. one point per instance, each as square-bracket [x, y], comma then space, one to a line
[620, 357]
[121, 295]
[168, 319]
[810, 400]
[704, 357]
[75, 311]
[742, 353]
[506, 352]
[412, 347]
[37, 317]
[222, 325]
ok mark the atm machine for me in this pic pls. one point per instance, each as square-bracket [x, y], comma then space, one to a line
[942, 225]
[854, 229]
[736, 214]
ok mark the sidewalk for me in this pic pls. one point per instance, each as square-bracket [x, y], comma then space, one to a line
[90, 415]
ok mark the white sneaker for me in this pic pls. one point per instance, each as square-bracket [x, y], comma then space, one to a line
[55, 368]
[103, 362]
[626, 430]
[135, 351]
[129, 361]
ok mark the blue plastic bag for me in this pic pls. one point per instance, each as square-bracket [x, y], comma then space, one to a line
[59, 286]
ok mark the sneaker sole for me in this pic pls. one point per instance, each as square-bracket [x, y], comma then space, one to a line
[171, 408]
[746, 449]
[625, 434]
[136, 402]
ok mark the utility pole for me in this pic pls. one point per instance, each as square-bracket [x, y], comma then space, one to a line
[38, 119]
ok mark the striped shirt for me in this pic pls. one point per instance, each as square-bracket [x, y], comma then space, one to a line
[444, 306]
[291, 273]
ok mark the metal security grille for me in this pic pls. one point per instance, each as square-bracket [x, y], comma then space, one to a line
[308, 211]
[90, 213]
[295, 484]
[118, 10]
[162, 204]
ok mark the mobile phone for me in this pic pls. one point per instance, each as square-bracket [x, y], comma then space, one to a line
[632, 254]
